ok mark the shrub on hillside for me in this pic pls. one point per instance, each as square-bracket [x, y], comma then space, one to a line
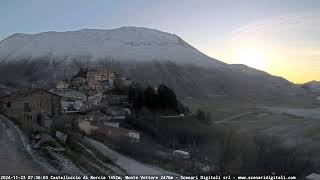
[162, 99]
[261, 155]
[203, 116]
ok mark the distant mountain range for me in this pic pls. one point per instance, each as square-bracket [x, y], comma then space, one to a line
[147, 55]
[313, 86]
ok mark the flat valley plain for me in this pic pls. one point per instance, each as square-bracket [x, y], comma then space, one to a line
[296, 121]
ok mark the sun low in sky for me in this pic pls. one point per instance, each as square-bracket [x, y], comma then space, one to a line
[287, 45]
[281, 37]
[252, 57]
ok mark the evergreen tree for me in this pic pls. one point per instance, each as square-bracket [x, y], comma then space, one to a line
[151, 99]
[167, 98]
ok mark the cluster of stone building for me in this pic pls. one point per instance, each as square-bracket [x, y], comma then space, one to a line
[84, 99]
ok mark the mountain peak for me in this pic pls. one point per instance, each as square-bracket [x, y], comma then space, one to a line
[124, 43]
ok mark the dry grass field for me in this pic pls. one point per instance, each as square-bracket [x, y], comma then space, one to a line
[296, 122]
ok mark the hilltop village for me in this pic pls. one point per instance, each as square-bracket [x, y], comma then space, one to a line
[103, 122]
[75, 102]
[100, 106]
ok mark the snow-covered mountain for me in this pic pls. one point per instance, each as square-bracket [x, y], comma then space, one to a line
[146, 55]
[126, 43]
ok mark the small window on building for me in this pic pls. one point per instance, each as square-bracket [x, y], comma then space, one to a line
[29, 117]
[8, 104]
[27, 107]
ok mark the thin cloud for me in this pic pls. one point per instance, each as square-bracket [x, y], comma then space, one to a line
[283, 23]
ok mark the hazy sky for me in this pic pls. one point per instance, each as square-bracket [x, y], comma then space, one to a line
[281, 37]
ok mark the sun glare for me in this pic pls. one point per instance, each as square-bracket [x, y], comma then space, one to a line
[252, 57]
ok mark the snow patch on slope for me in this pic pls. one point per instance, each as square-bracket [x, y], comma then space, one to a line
[126, 43]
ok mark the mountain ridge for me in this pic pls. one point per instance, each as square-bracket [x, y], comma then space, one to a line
[138, 43]
[147, 55]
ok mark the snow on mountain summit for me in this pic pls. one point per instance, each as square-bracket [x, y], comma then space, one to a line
[125, 43]
[148, 56]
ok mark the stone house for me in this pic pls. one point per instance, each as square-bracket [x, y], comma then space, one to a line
[27, 106]
[73, 95]
[107, 85]
[62, 85]
[78, 82]
[87, 126]
[73, 100]
[100, 75]
[99, 79]
[95, 85]
[95, 99]
[79, 79]
[72, 106]
[123, 83]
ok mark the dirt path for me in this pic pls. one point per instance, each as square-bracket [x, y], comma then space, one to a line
[225, 120]
[131, 166]
[14, 158]
[305, 113]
